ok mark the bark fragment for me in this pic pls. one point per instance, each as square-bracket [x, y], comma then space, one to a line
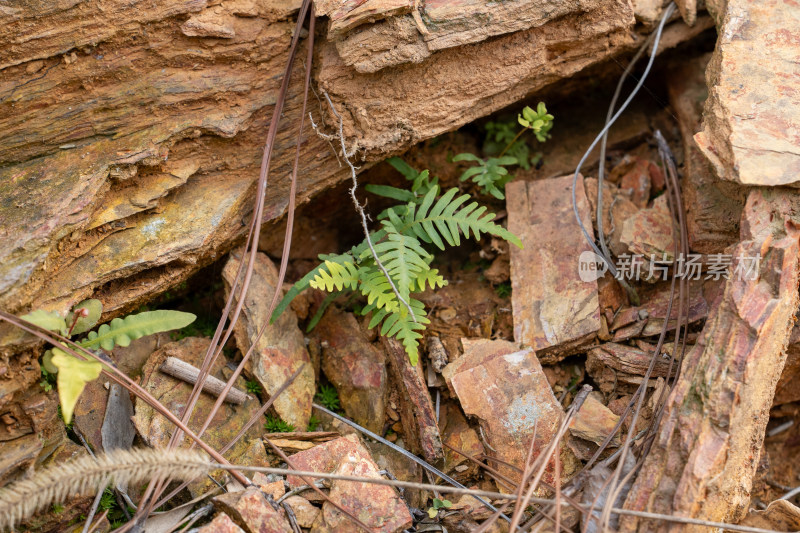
[417, 413]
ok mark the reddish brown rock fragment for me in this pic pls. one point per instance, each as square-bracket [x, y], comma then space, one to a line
[222, 523]
[281, 349]
[356, 368]
[555, 312]
[705, 454]
[637, 184]
[507, 391]
[594, 422]
[251, 511]
[378, 506]
[649, 232]
[751, 124]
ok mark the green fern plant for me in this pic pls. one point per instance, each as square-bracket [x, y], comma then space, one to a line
[72, 374]
[491, 173]
[400, 243]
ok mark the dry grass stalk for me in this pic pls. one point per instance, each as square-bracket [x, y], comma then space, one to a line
[88, 475]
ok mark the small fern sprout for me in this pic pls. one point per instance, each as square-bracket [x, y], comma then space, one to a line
[490, 174]
[426, 221]
[540, 122]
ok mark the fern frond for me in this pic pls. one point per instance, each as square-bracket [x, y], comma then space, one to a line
[404, 329]
[305, 281]
[430, 277]
[89, 475]
[448, 219]
[121, 331]
[339, 275]
[376, 288]
[402, 256]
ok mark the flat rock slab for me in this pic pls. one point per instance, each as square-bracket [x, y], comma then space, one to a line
[281, 350]
[751, 131]
[378, 506]
[555, 312]
[506, 389]
[355, 366]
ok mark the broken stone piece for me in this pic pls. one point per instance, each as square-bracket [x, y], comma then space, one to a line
[281, 349]
[379, 506]
[222, 523]
[594, 422]
[555, 311]
[156, 430]
[457, 434]
[251, 511]
[636, 183]
[506, 389]
[751, 123]
[355, 367]
[303, 510]
[649, 232]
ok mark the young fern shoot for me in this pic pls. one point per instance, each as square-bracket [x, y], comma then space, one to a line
[426, 219]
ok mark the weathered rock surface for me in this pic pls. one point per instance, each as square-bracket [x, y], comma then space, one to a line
[281, 349]
[355, 366]
[221, 523]
[555, 312]
[594, 422]
[133, 134]
[156, 430]
[648, 232]
[713, 206]
[706, 452]
[788, 388]
[506, 389]
[378, 506]
[751, 130]
[250, 510]
[304, 512]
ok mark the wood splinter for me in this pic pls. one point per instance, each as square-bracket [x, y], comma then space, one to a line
[185, 372]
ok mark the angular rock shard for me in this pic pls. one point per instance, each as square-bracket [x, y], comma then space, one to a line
[355, 366]
[281, 349]
[378, 506]
[555, 311]
[250, 510]
[751, 132]
[705, 453]
[506, 389]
